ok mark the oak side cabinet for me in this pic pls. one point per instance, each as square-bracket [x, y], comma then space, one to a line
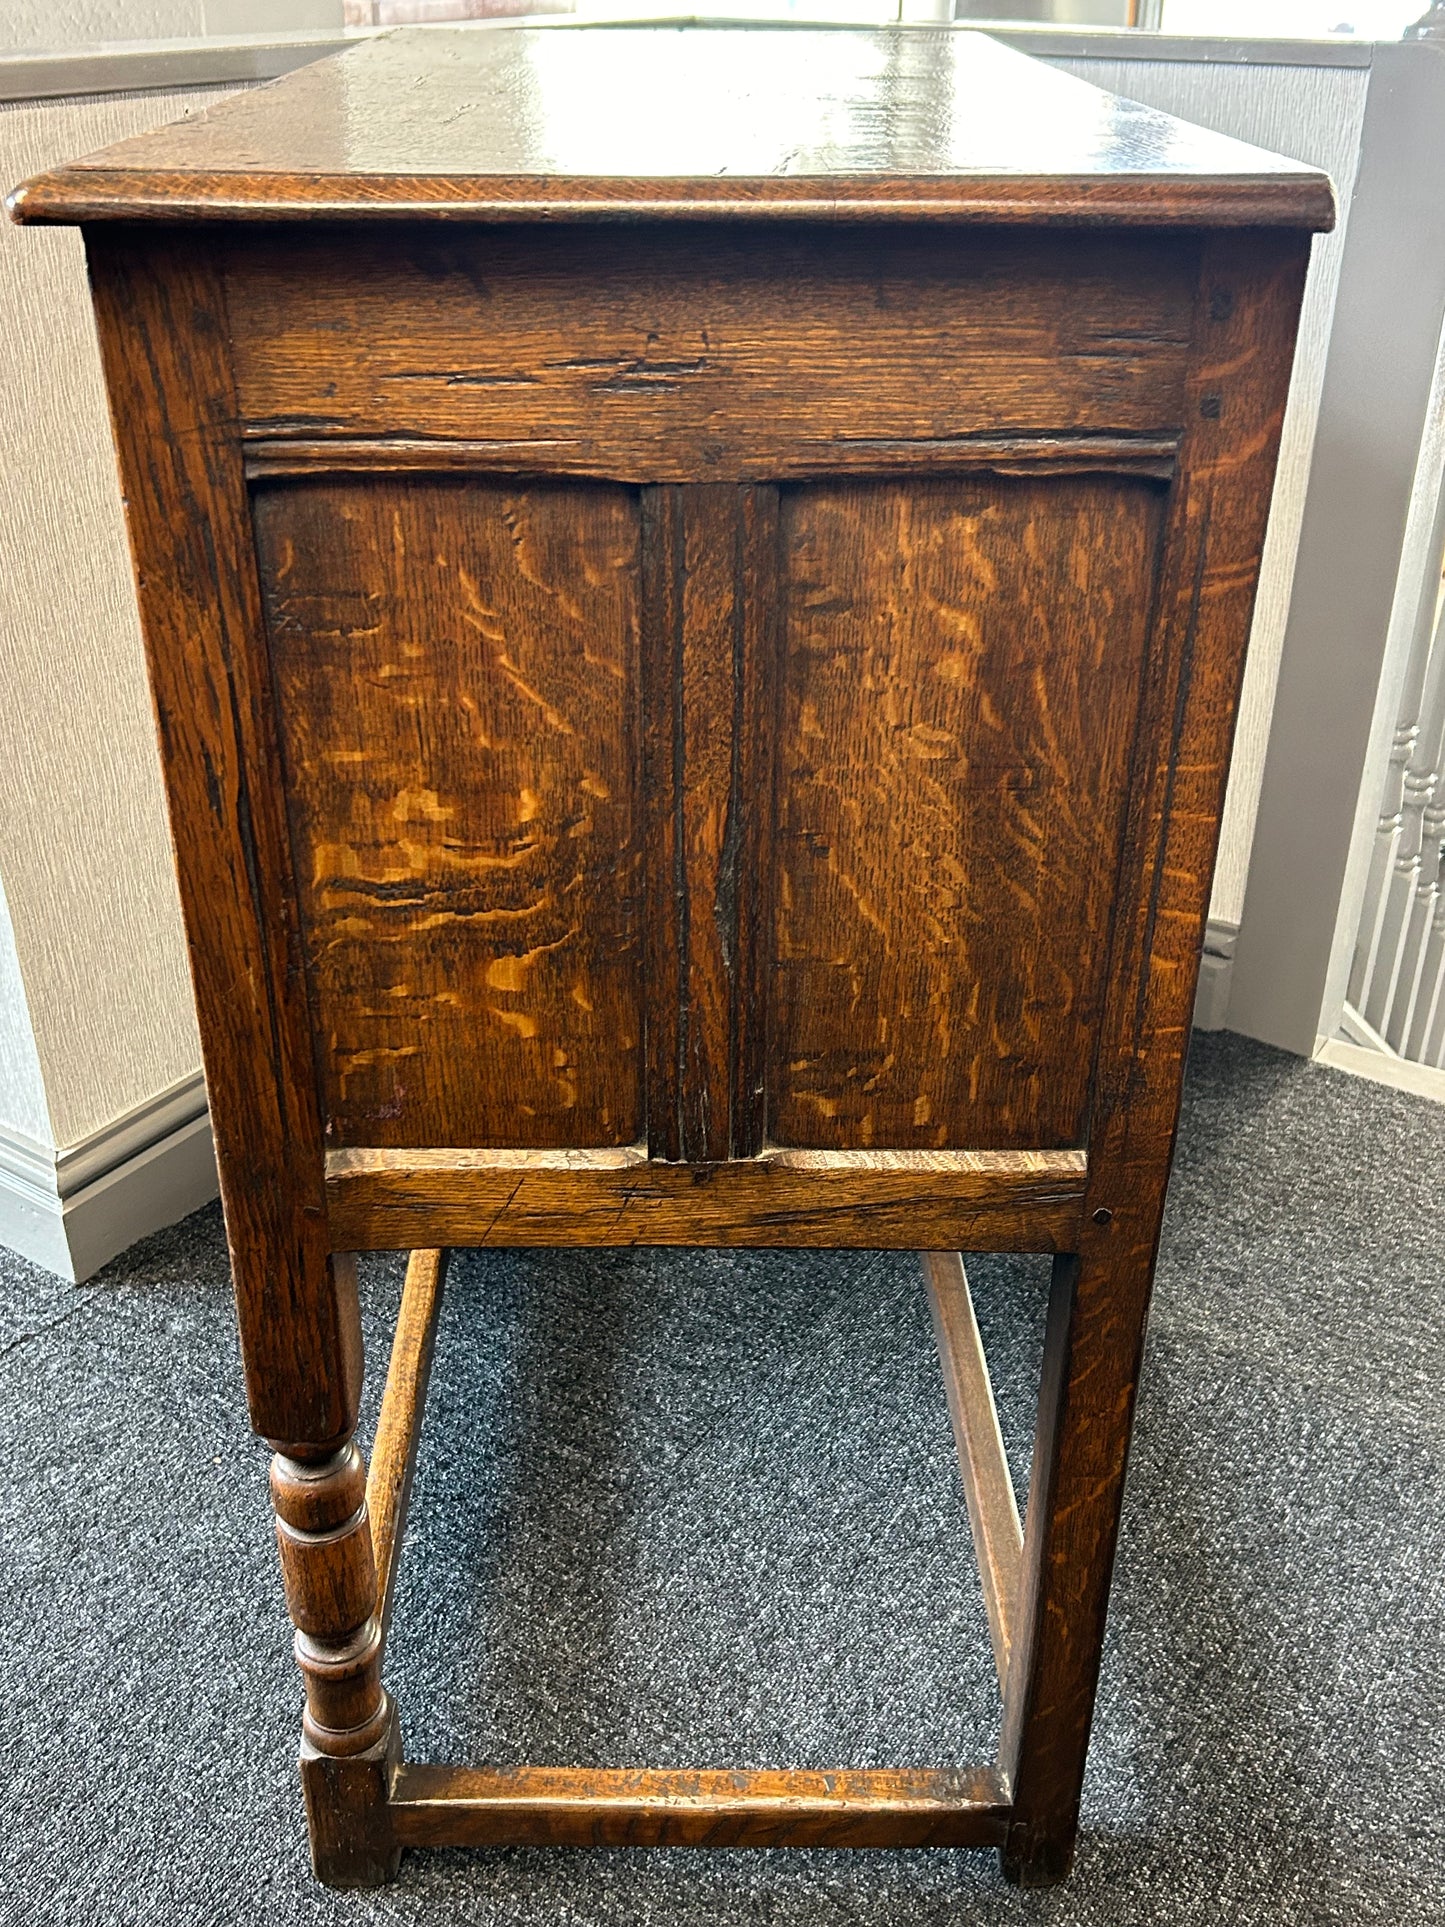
[695, 583]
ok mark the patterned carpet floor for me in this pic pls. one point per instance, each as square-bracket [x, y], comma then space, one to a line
[702, 1509]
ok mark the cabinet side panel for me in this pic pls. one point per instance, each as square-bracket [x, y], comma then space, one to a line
[455, 668]
[960, 685]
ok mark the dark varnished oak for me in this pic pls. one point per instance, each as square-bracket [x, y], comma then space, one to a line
[696, 585]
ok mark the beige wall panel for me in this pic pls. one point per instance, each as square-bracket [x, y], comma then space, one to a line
[70, 23]
[1313, 114]
[83, 847]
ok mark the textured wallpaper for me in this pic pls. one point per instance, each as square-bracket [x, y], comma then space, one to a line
[84, 851]
[70, 23]
[1312, 114]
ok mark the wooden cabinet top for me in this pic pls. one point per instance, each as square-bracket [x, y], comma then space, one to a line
[587, 123]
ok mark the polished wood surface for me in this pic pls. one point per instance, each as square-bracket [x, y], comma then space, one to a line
[562, 124]
[694, 731]
[601, 1807]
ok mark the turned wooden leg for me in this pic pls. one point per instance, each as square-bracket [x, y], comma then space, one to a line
[350, 1733]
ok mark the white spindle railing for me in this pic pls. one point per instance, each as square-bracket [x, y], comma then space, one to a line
[1397, 983]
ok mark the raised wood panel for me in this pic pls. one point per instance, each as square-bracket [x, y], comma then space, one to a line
[961, 678]
[455, 668]
[708, 355]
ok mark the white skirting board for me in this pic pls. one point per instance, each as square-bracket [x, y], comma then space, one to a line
[1382, 1067]
[1360, 1049]
[73, 1211]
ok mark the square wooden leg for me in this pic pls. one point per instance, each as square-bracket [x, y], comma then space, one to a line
[348, 1810]
[1093, 1347]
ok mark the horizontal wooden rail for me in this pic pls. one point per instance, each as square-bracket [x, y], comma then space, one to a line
[447, 1806]
[987, 1484]
[270, 456]
[888, 1200]
[403, 1405]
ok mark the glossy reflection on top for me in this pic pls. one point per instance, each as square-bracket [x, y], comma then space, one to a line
[670, 102]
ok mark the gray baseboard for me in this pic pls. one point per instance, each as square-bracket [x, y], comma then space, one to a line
[1216, 967]
[75, 1210]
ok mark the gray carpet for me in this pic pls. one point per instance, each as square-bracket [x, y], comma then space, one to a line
[702, 1509]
